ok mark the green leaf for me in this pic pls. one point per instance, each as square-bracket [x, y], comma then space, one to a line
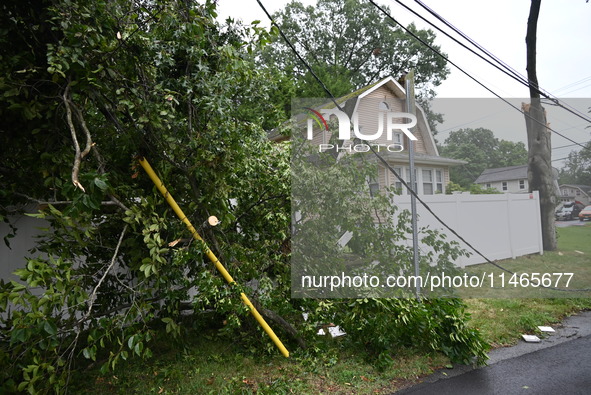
[50, 328]
[100, 184]
[130, 342]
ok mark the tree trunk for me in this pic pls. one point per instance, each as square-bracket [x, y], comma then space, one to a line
[540, 171]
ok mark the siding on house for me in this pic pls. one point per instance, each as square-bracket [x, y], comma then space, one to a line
[572, 192]
[511, 179]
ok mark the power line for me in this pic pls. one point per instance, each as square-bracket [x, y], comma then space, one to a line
[382, 160]
[510, 71]
[573, 84]
[511, 74]
[467, 74]
[569, 145]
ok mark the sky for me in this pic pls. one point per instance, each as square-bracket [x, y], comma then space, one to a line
[563, 59]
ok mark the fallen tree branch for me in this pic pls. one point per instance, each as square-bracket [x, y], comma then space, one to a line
[79, 155]
[280, 321]
[91, 299]
[113, 202]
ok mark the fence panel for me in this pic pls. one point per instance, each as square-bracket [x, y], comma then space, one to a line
[499, 226]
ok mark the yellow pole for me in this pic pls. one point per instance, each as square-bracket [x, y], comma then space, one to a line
[210, 254]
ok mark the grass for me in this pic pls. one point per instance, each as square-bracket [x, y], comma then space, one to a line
[206, 364]
[573, 256]
[511, 313]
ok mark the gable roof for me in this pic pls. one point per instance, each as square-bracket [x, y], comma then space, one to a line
[350, 103]
[502, 174]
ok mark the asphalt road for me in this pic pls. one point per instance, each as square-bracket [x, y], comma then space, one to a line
[562, 369]
[560, 364]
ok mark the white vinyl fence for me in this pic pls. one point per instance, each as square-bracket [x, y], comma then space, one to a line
[499, 226]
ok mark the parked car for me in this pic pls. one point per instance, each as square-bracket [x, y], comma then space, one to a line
[569, 211]
[585, 213]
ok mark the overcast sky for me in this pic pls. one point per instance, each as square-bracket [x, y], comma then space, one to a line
[563, 57]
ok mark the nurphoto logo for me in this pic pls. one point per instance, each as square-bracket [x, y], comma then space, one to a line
[394, 125]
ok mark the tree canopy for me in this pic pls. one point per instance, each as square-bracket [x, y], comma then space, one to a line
[85, 89]
[482, 150]
[577, 167]
[350, 44]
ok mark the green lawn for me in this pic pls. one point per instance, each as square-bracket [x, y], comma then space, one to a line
[207, 364]
[502, 320]
[533, 272]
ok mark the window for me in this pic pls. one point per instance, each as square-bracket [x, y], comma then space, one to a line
[521, 184]
[374, 186]
[505, 185]
[578, 192]
[432, 181]
[396, 138]
[428, 182]
[489, 185]
[397, 184]
[439, 181]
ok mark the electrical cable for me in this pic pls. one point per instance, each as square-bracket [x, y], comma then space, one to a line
[467, 74]
[385, 163]
[510, 71]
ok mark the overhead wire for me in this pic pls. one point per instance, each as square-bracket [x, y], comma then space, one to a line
[468, 74]
[573, 84]
[508, 69]
[384, 162]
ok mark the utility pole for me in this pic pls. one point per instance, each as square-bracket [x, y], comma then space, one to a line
[540, 172]
[410, 108]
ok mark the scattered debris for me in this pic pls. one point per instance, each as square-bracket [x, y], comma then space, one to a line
[333, 331]
[531, 338]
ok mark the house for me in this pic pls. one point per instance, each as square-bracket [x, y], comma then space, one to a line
[511, 179]
[368, 109]
[572, 192]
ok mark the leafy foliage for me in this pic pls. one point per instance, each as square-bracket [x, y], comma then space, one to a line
[430, 325]
[86, 87]
[577, 168]
[330, 197]
[351, 44]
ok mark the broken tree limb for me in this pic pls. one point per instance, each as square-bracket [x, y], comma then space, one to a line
[280, 321]
[79, 154]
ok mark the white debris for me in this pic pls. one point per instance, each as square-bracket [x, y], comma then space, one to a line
[334, 331]
[531, 338]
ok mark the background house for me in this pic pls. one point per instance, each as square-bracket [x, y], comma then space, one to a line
[511, 179]
[579, 193]
[375, 101]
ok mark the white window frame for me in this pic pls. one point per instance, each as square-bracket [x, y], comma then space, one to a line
[425, 182]
[505, 186]
[439, 184]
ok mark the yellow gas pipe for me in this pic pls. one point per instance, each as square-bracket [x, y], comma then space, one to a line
[210, 254]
